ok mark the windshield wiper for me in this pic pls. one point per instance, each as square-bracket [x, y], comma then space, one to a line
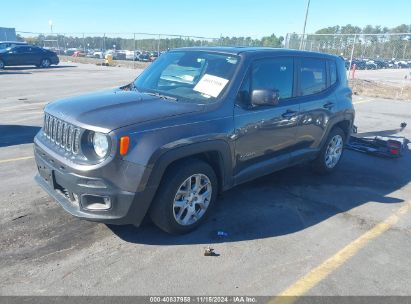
[161, 96]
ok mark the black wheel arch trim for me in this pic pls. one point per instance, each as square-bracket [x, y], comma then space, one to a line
[163, 159]
[346, 117]
[160, 162]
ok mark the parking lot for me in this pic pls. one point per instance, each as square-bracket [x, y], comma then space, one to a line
[292, 231]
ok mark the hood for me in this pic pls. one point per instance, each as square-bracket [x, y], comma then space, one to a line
[109, 110]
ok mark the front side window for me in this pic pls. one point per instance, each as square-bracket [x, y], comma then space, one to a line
[192, 76]
[273, 74]
[313, 76]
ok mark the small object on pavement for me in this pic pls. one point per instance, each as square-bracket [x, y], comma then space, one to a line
[209, 251]
[403, 125]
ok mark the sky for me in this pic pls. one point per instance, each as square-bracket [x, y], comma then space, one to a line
[206, 18]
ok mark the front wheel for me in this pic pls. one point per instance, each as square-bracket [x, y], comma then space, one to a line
[45, 63]
[185, 197]
[331, 153]
[1, 64]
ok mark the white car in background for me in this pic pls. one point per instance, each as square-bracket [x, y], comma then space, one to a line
[132, 55]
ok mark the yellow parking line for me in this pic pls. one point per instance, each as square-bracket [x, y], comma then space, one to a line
[311, 279]
[15, 159]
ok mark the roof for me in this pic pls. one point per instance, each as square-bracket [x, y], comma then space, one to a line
[16, 42]
[237, 50]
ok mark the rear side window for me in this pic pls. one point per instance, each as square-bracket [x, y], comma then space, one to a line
[274, 74]
[333, 72]
[35, 50]
[21, 49]
[313, 76]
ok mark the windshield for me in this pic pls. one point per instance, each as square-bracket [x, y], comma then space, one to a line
[189, 75]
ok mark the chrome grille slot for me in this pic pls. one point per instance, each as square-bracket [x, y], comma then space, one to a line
[76, 141]
[69, 138]
[54, 131]
[62, 134]
[58, 133]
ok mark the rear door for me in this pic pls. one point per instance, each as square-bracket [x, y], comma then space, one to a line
[317, 103]
[265, 135]
[20, 55]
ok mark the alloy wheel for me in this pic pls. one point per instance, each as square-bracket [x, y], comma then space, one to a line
[192, 199]
[334, 151]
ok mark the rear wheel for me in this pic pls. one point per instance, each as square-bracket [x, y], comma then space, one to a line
[45, 63]
[1, 64]
[185, 196]
[331, 153]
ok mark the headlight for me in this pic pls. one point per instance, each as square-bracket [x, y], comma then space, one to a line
[100, 144]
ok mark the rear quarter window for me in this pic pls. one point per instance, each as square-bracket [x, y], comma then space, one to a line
[333, 72]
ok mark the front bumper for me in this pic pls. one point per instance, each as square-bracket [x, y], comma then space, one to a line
[63, 184]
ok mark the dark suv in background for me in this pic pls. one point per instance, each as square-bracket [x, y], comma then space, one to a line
[25, 54]
[196, 122]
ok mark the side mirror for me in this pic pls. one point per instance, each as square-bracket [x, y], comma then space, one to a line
[265, 97]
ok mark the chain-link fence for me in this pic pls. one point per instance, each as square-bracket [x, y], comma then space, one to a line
[377, 64]
[143, 47]
[123, 47]
[87, 42]
[368, 51]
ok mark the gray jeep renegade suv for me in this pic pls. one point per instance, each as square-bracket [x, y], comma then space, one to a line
[196, 122]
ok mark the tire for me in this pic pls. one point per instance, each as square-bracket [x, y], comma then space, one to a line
[45, 63]
[173, 191]
[331, 153]
[2, 65]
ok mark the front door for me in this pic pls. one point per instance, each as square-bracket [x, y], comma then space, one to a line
[18, 55]
[265, 135]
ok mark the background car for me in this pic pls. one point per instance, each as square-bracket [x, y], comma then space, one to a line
[27, 55]
[381, 64]
[153, 56]
[145, 57]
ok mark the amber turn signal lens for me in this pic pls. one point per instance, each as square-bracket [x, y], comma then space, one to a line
[124, 143]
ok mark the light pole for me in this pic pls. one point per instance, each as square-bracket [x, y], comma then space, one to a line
[305, 24]
[51, 26]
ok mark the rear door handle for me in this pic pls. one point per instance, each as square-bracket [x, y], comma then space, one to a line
[328, 105]
[289, 114]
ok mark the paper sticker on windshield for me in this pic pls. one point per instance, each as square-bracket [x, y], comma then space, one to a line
[211, 85]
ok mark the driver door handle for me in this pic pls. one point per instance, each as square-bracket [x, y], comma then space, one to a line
[329, 105]
[289, 114]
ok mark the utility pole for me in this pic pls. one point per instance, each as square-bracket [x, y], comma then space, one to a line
[305, 24]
